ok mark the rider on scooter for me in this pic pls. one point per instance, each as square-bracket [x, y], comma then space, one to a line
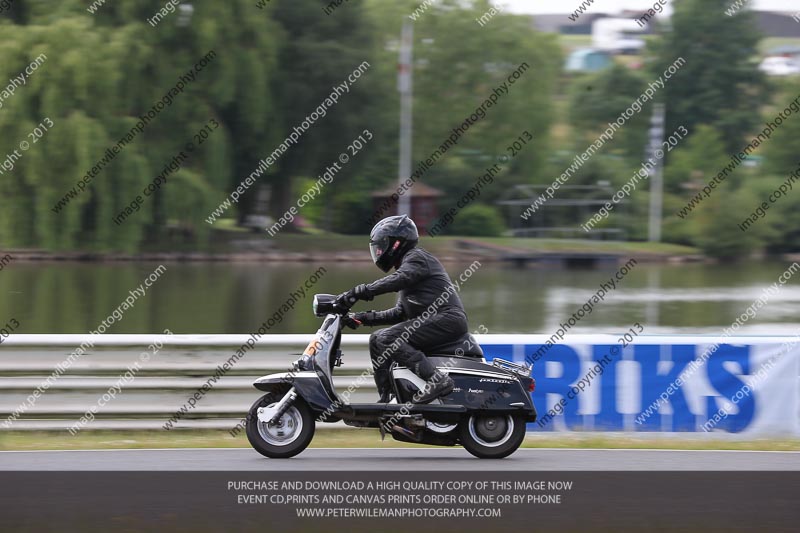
[421, 280]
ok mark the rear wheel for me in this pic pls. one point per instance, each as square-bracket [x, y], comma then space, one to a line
[492, 436]
[286, 438]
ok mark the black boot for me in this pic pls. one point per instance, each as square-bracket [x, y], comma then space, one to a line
[439, 384]
[383, 380]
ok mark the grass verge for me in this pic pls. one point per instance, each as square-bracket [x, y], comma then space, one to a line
[349, 438]
[442, 245]
[584, 245]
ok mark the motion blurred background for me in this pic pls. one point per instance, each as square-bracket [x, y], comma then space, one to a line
[108, 63]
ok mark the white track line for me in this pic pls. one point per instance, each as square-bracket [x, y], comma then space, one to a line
[418, 449]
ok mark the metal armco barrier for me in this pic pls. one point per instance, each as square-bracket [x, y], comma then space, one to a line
[748, 385]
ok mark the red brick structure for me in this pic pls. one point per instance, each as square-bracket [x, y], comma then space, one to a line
[424, 204]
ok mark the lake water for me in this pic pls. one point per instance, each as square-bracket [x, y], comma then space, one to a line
[238, 297]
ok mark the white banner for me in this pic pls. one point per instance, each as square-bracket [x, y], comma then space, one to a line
[662, 384]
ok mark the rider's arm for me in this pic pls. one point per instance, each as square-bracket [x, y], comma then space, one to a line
[414, 268]
[395, 315]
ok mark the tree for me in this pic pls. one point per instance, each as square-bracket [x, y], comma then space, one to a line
[782, 165]
[695, 161]
[691, 166]
[458, 65]
[720, 83]
[782, 153]
[320, 51]
[102, 72]
[598, 99]
[714, 224]
[717, 231]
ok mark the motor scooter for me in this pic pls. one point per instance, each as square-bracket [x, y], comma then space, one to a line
[485, 413]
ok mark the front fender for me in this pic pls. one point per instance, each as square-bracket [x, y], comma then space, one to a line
[271, 381]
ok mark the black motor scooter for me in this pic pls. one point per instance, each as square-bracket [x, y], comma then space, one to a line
[486, 412]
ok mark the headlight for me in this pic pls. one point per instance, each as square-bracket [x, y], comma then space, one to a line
[323, 304]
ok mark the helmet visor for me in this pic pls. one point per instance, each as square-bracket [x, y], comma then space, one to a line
[377, 249]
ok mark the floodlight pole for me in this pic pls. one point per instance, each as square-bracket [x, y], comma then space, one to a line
[404, 86]
[657, 174]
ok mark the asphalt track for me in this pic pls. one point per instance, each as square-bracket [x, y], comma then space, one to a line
[398, 459]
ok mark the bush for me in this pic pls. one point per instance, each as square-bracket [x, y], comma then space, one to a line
[716, 226]
[478, 221]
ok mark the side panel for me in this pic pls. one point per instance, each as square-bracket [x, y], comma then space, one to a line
[476, 392]
[308, 386]
[478, 385]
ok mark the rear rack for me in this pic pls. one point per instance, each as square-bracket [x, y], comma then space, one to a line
[520, 369]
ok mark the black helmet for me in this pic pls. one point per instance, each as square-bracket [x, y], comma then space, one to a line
[390, 239]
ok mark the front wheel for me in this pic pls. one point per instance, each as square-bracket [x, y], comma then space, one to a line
[286, 438]
[492, 436]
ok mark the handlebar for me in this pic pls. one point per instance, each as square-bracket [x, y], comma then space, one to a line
[345, 301]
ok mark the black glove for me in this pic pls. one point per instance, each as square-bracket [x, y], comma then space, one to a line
[361, 292]
[351, 321]
[366, 318]
[345, 301]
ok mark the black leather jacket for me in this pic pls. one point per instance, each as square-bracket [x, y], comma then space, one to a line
[421, 280]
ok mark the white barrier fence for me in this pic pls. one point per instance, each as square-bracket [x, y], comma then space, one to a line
[671, 384]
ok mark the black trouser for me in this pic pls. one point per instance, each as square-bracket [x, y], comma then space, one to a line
[406, 342]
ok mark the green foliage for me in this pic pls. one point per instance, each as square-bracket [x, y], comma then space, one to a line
[720, 83]
[101, 73]
[674, 229]
[318, 53]
[713, 225]
[771, 229]
[478, 221]
[352, 206]
[605, 175]
[598, 99]
[779, 228]
[782, 232]
[275, 65]
[782, 153]
[457, 66]
[695, 162]
[716, 226]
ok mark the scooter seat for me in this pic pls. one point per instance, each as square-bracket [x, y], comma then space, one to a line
[466, 344]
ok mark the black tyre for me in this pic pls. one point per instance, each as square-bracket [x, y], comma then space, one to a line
[491, 436]
[290, 436]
